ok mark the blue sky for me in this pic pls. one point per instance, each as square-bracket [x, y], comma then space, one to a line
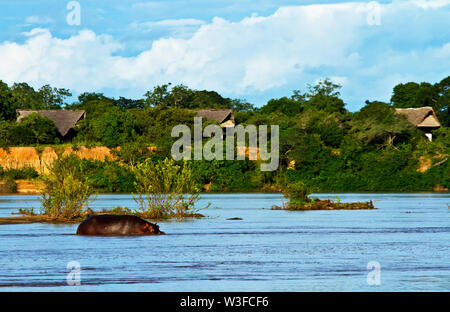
[253, 50]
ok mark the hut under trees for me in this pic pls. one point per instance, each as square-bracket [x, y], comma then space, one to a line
[65, 120]
[424, 118]
[225, 117]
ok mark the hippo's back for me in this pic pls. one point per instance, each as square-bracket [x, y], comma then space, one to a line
[111, 225]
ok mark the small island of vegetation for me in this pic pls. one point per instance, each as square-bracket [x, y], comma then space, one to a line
[299, 199]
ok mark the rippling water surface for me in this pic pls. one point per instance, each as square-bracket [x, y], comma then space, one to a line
[269, 250]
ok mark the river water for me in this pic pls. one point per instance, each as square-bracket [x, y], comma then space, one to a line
[405, 242]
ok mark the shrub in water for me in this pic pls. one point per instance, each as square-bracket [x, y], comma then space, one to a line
[66, 193]
[165, 189]
[297, 191]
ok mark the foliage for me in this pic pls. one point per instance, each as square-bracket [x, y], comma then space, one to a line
[287, 106]
[165, 189]
[25, 97]
[377, 125]
[132, 153]
[22, 173]
[43, 129]
[7, 107]
[114, 127]
[180, 96]
[228, 175]
[33, 129]
[297, 191]
[66, 193]
[323, 145]
[412, 94]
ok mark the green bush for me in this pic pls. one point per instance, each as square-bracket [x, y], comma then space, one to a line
[27, 173]
[298, 191]
[165, 189]
[66, 193]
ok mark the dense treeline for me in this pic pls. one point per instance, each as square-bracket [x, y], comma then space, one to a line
[321, 142]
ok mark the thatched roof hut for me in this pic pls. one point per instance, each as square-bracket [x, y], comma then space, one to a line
[225, 117]
[64, 120]
[424, 118]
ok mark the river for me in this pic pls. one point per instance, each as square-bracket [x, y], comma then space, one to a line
[404, 245]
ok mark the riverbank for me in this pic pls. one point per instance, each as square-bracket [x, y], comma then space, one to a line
[111, 171]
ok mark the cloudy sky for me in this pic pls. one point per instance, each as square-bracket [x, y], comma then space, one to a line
[253, 50]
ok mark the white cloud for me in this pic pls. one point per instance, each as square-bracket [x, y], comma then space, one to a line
[433, 4]
[36, 19]
[177, 22]
[294, 46]
[177, 28]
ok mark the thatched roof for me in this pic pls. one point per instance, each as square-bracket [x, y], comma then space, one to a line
[219, 115]
[64, 119]
[422, 117]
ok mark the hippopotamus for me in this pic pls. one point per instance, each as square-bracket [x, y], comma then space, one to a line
[117, 225]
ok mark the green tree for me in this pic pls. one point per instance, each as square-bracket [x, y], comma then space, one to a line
[95, 104]
[287, 106]
[115, 127]
[325, 96]
[377, 125]
[25, 97]
[125, 103]
[159, 96]
[42, 128]
[53, 98]
[412, 94]
[7, 105]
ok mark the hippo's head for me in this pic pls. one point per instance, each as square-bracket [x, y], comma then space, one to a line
[150, 228]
